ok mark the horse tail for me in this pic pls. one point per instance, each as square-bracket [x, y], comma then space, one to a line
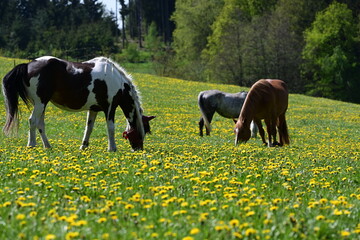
[283, 132]
[201, 104]
[13, 87]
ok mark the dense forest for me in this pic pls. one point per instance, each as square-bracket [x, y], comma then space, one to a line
[314, 45]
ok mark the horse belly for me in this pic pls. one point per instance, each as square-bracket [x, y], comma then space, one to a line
[231, 113]
[230, 107]
[74, 102]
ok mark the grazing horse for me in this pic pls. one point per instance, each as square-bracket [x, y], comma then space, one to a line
[95, 85]
[225, 104]
[268, 100]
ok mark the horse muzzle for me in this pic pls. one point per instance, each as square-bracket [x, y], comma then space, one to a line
[136, 142]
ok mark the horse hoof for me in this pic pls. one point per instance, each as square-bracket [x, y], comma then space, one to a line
[83, 147]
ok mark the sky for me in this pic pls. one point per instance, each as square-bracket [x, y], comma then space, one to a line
[110, 5]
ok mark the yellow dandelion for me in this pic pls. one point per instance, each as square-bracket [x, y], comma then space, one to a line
[20, 216]
[237, 235]
[250, 231]
[219, 227]
[21, 236]
[71, 235]
[188, 238]
[267, 221]
[105, 236]
[234, 222]
[345, 233]
[273, 208]
[320, 217]
[50, 237]
[194, 231]
[101, 220]
[129, 206]
[251, 213]
[154, 235]
[337, 212]
[135, 214]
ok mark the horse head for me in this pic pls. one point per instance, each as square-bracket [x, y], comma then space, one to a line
[242, 132]
[134, 136]
[135, 139]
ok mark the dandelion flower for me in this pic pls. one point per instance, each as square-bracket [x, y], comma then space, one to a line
[320, 217]
[101, 220]
[71, 235]
[345, 233]
[194, 231]
[20, 216]
[250, 231]
[50, 237]
[234, 222]
[188, 238]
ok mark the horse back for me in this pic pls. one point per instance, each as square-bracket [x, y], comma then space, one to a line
[64, 83]
[225, 104]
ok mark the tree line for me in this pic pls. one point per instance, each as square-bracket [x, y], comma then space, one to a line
[59, 27]
[314, 45]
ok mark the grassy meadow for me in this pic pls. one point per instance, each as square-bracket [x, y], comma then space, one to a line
[183, 186]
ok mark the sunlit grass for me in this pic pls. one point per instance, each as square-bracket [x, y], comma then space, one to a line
[183, 186]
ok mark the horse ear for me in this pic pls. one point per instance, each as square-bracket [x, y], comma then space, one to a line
[148, 118]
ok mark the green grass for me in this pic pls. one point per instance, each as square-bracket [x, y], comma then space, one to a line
[183, 186]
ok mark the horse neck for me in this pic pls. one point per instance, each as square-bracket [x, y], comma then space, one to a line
[134, 114]
[130, 104]
[247, 111]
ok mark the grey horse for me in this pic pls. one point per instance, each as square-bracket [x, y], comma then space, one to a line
[225, 104]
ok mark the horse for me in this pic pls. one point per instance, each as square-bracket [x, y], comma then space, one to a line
[268, 100]
[95, 85]
[225, 104]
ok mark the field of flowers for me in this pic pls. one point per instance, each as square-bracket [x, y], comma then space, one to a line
[183, 186]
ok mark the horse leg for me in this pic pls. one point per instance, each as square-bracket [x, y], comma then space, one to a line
[111, 131]
[209, 118]
[254, 129]
[201, 126]
[283, 132]
[261, 129]
[274, 123]
[271, 130]
[41, 128]
[36, 120]
[90, 121]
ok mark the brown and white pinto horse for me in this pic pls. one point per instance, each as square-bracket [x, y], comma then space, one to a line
[95, 85]
[268, 100]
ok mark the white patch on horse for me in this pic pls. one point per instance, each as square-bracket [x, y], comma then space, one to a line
[103, 70]
[77, 70]
[32, 89]
[45, 58]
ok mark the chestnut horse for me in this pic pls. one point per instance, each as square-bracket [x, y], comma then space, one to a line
[95, 85]
[268, 100]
